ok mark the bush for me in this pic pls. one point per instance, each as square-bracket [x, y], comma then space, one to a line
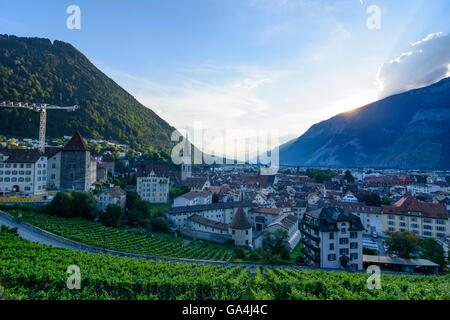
[77, 205]
[159, 225]
[112, 216]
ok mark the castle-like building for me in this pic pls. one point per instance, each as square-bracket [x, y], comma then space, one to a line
[32, 172]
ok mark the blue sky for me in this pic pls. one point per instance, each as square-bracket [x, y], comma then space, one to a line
[248, 65]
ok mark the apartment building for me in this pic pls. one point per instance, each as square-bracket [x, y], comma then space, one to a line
[22, 171]
[332, 238]
[111, 196]
[371, 216]
[425, 219]
[153, 183]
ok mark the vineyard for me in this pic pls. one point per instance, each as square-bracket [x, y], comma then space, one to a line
[96, 234]
[34, 271]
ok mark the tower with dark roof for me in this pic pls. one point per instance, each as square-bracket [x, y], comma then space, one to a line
[76, 162]
[241, 229]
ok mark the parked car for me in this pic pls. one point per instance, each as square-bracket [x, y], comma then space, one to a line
[374, 234]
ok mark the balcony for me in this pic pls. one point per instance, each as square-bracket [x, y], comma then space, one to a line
[314, 257]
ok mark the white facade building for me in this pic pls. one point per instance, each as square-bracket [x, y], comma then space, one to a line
[332, 238]
[22, 171]
[193, 198]
[153, 183]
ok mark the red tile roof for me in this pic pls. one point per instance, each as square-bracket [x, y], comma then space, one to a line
[161, 170]
[21, 155]
[408, 203]
[76, 143]
[240, 221]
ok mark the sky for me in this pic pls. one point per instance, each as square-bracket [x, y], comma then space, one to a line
[240, 68]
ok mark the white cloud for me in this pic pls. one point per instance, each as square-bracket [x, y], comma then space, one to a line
[341, 33]
[427, 63]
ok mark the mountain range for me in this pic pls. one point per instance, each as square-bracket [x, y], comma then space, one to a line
[410, 130]
[407, 130]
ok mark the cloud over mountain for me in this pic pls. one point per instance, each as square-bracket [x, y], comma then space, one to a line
[426, 63]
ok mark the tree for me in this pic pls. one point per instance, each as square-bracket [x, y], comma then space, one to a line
[277, 246]
[215, 198]
[139, 213]
[348, 176]
[176, 191]
[432, 250]
[60, 205]
[402, 244]
[83, 205]
[111, 217]
[370, 199]
[132, 196]
[386, 201]
[159, 224]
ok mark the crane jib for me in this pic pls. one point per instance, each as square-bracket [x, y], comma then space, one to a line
[42, 109]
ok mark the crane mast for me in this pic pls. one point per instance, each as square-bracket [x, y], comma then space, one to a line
[42, 109]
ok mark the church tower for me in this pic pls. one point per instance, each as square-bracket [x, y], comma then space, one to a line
[186, 163]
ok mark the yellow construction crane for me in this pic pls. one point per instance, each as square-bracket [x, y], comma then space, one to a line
[42, 109]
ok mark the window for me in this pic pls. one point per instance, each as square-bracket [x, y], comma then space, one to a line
[427, 221]
[427, 233]
[353, 256]
[391, 217]
[331, 257]
[331, 246]
[354, 245]
[414, 225]
[331, 235]
[440, 228]
[343, 241]
[353, 235]
[427, 227]
[391, 223]
[343, 251]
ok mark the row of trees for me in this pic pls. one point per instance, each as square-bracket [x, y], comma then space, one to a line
[138, 213]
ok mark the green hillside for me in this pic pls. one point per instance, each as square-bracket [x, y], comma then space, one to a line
[35, 70]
